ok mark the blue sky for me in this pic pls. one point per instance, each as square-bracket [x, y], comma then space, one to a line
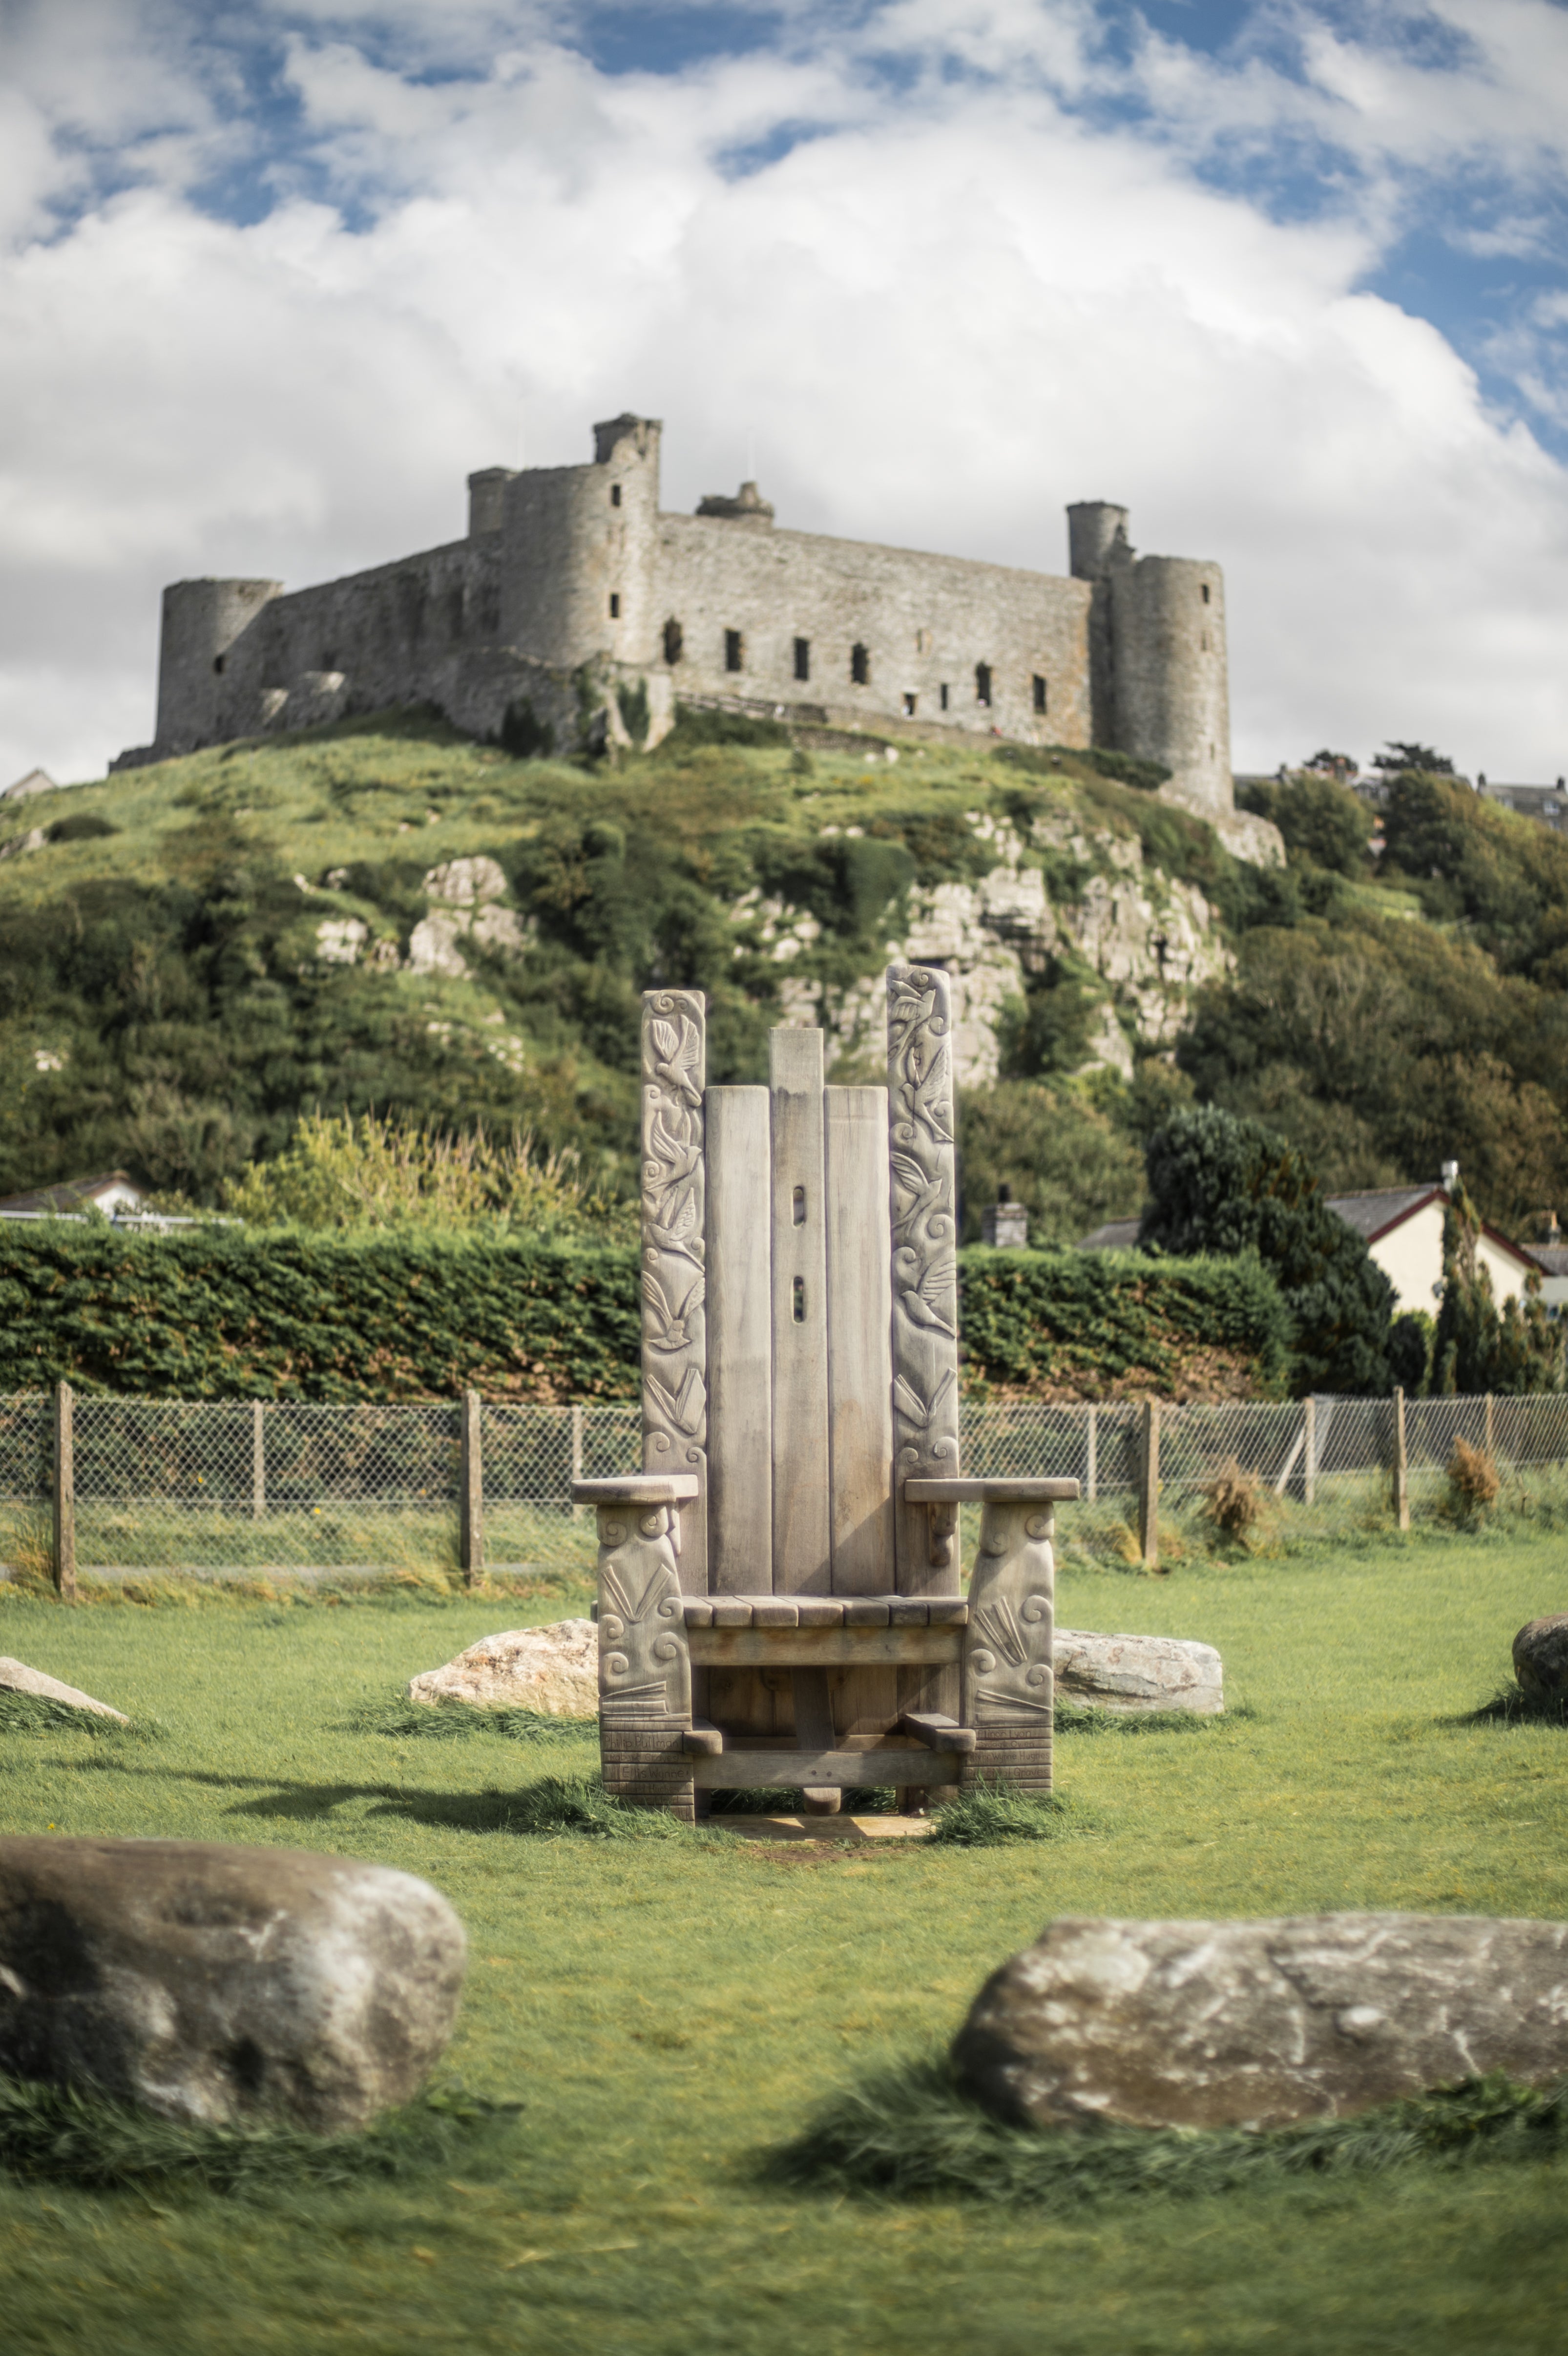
[1287, 276]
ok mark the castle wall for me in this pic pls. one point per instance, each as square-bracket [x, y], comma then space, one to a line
[924, 621]
[577, 545]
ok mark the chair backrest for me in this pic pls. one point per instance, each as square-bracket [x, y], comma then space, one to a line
[800, 1327]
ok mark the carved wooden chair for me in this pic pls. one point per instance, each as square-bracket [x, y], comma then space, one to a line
[779, 1594]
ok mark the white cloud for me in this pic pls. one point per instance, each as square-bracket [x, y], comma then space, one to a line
[961, 303]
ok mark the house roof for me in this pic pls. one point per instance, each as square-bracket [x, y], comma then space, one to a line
[1374, 1212]
[74, 1193]
[1117, 1235]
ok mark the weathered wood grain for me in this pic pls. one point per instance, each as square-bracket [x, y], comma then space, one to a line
[749, 1647]
[739, 1342]
[923, 1196]
[1009, 1682]
[740, 1771]
[802, 1547]
[859, 1340]
[674, 1351]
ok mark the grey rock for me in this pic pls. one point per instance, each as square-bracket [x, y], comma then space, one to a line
[1138, 1673]
[15, 1677]
[1256, 2024]
[213, 1982]
[553, 1670]
[1541, 1658]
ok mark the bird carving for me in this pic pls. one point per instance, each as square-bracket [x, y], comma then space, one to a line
[928, 1304]
[678, 1051]
[668, 1328]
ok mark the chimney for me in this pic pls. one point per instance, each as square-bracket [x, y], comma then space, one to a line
[1004, 1225]
[1450, 1176]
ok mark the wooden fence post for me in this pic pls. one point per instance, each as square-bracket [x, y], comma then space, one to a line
[1092, 1470]
[65, 1495]
[1148, 1488]
[257, 1463]
[1491, 1428]
[577, 1511]
[1401, 1465]
[471, 1494]
[1309, 1461]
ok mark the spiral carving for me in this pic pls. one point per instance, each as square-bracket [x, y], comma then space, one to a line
[924, 1261]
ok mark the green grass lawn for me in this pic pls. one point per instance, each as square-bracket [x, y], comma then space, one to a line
[669, 2012]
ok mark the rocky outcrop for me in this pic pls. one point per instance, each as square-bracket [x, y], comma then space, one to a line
[1257, 2024]
[219, 1983]
[467, 893]
[1130, 1675]
[15, 1677]
[1151, 939]
[554, 1670]
[1541, 1658]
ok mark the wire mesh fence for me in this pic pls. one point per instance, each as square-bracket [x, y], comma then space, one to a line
[231, 1487]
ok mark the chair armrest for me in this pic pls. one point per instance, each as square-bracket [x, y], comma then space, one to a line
[637, 1489]
[990, 1493]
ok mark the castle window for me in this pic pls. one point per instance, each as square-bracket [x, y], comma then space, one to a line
[673, 641]
[982, 682]
[860, 666]
[217, 664]
[615, 605]
[615, 501]
[1205, 592]
[329, 658]
[910, 702]
[1040, 694]
[942, 694]
[455, 614]
[923, 642]
[803, 657]
[734, 650]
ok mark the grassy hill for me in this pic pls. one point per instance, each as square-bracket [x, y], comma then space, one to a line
[194, 954]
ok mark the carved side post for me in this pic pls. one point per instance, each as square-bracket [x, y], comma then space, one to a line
[921, 1172]
[1008, 1679]
[645, 1661]
[674, 1189]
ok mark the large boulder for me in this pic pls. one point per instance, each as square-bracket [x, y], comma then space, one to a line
[1256, 2024]
[223, 1984]
[554, 1670]
[1131, 1674]
[1541, 1658]
[15, 1677]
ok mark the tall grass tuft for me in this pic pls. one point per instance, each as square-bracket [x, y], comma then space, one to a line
[27, 1713]
[69, 2137]
[985, 1815]
[456, 1722]
[911, 2133]
[579, 1807]
[1511, 1706]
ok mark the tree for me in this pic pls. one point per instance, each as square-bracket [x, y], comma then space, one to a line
[1340, 767]
[1069, 1165]
[1221, 1184]
[1412, 756]
[1322, 822]
[1476, 1346]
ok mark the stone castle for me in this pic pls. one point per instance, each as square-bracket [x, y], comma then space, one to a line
[577, 610]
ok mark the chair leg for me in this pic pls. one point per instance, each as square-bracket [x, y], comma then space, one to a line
[813, 1731]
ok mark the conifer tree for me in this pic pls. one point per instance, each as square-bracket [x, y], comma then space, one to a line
[1478, 1346]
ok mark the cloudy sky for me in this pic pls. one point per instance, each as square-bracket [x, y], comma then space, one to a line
[1287, 277]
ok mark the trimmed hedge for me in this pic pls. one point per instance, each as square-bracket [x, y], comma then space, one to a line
[214, 1313]
[1074, 1325]
[217, 1313]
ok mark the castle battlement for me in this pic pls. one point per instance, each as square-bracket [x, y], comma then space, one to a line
[575, 598]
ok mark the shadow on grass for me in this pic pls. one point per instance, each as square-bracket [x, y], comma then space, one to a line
[66, 2135]
[1511, 1706]
[912, 2133]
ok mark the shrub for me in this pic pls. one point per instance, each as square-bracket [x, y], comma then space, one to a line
[1473, 1482]
[1235, 1505]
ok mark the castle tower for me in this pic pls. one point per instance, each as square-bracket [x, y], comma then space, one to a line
[201, 621]
[1159, 679]
[579, 550]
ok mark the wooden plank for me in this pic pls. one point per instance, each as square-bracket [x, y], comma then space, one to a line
[921, 1172]
[802, 1557]
[739, 1342]
[786, 1648]
[936, 1730]
[741, 1770]
[859, 1342]
[701, 1740]
[673, 1279]
[813, 1731]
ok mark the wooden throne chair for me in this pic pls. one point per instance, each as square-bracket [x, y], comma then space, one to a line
[779, 1592]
